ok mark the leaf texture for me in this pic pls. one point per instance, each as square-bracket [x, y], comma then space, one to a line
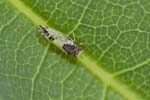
[115, 62]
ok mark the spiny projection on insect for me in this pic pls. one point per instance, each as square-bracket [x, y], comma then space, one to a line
[67, 45]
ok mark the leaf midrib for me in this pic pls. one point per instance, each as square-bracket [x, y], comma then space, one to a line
[84, 59]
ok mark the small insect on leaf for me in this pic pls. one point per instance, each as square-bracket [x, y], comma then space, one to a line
[67, 45]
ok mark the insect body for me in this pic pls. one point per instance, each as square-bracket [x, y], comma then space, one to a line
[67, 45]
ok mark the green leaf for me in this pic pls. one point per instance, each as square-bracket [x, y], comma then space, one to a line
[115, 62]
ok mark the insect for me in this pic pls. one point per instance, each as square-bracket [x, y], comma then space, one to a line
[67, 45]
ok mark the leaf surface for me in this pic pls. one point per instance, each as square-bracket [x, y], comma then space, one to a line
[115, 62]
